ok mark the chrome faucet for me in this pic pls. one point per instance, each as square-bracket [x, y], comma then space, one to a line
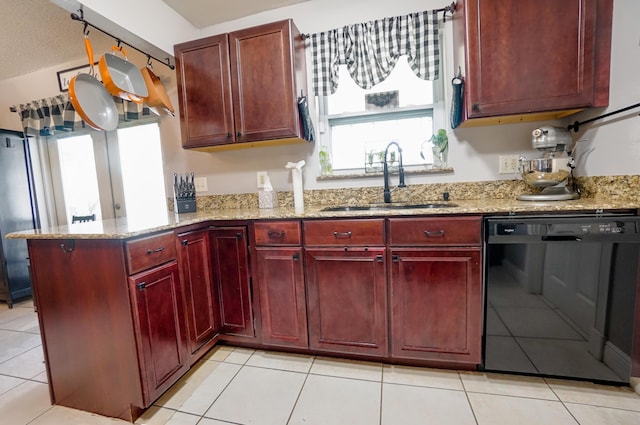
[385, 172]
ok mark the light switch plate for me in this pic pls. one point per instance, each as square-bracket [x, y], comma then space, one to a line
[261, 176]
[201, 184]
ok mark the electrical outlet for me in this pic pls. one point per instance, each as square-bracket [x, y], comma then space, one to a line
[262, 177]
[200, 184]
[509, 164]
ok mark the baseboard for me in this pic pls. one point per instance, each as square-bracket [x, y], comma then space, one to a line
[617, 361]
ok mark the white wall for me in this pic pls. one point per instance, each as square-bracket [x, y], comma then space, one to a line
[612, 146]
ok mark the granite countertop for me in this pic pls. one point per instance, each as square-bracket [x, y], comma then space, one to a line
[123, 228]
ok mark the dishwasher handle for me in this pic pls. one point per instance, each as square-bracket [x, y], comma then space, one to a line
[562, 238]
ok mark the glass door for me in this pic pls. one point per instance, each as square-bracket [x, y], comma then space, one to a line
[109, 174]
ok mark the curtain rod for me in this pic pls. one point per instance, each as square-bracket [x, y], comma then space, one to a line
[80, 18]
[447, 9]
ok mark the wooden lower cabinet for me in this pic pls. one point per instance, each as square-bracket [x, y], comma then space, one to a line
[347, 300]
[229, 253]
[201, 302]
[90, 341]
[280, 279]
[436, 304]
[156, 297]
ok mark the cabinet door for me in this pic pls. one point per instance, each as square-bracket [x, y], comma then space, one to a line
[229, 251]
[159, 326]
[206, 111]
[532, 55]
[436, 304]
[347, 300]
[201, 310]
[263, 81]
[280, 281]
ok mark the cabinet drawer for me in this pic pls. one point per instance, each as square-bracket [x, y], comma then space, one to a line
[435, 231]
[344, 232]
[272, 233]
[145, 253]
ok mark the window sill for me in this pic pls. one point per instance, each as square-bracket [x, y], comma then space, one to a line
[360, 174]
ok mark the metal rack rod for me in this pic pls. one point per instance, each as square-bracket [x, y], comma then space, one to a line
[576, 125]
[80, 18]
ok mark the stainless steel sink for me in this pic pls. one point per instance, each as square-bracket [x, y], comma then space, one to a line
[391, 206]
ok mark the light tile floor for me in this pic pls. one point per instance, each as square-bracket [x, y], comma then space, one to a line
[243, 386]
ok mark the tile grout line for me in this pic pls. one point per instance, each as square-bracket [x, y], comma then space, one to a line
[466, 396]
[293, 408]
[226, 386]
[561, 401]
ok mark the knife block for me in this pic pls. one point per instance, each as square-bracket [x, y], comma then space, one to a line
[184, 204]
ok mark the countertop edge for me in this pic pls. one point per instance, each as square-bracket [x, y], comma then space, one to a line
[124, 229]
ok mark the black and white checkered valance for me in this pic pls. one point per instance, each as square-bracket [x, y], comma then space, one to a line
[47, 116]
[371, 49]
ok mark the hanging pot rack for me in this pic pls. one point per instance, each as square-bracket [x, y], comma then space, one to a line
[80, 18]
[576, 125]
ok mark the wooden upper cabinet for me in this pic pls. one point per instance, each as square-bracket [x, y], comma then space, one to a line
[529, 56]
[204, 81]
[263, 66]
[241, 87]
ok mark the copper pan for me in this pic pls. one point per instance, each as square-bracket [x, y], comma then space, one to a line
[91, 100]
[121, 77]
[157, 94]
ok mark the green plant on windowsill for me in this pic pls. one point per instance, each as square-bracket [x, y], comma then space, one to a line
[325, 161]
[440, 149]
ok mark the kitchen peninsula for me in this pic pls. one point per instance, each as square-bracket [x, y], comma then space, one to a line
[125, 309]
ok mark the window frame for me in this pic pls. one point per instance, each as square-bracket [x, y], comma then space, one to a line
[434, 110]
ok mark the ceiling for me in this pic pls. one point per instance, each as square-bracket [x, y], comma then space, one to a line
[203, 13]
[37, 34]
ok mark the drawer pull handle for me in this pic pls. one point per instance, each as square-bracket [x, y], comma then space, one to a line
[153, 251]
[437, 233]
[276, 235]
[342, 234]
[379, 258]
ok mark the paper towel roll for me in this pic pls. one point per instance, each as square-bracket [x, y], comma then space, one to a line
[296, 177]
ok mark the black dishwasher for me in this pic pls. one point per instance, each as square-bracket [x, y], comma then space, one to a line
[560, 295]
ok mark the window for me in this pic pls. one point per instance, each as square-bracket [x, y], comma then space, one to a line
[109, 174]
[361, 123]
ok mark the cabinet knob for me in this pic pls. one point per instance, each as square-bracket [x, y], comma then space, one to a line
[184, 242]
[296, 257]
[475, 107]
[141, 286]
[239, 235]
[228, 135]
[238, 134]
[379, 258]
